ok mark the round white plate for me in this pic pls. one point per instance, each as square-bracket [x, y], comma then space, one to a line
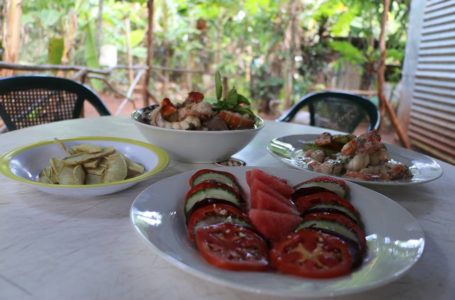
[288, 149]
[395, 240]
[24, 164]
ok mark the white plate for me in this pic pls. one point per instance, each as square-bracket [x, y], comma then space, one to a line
[395, 240]
[288, 149]
[24, 164]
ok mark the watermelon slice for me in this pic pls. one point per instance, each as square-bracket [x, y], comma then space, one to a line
[263, 200]
[273, 225]
[257, 184]
[278, 184]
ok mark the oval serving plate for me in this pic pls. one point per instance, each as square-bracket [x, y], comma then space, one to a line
[395, 240]
[288, 149]
[24, 164]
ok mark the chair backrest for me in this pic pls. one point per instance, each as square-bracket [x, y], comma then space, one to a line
[32, 100]
[336, 110]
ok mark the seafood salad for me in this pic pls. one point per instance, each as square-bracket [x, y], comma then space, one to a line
[229, 113]
[364, 157]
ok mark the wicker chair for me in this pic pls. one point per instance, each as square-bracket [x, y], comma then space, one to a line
[32, 100]
[336, 110]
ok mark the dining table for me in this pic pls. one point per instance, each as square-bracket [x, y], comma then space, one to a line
[68, 247]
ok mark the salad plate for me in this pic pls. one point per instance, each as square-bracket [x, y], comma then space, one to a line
[289, 150]
[395, 240]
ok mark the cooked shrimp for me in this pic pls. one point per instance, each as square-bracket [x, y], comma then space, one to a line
[189, 122]
[398, 170]
[316, 154]
[359, 175]
[379, 156]
[358, 162]
[323, 139]
[314, 165]
[201, 110]
[329, 167]
[349, 148]
[368, 142]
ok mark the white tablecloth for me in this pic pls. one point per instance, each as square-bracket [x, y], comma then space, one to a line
[68, 248]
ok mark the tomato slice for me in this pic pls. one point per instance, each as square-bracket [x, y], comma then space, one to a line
[210, 192]
[232, 247]
[312, 254]
[214, 175]
[305, 203]
[217, 212]
[345, 221]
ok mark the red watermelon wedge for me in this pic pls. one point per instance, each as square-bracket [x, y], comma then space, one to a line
[278, 184]
[260, 199]
[273, 225]
[257, 184]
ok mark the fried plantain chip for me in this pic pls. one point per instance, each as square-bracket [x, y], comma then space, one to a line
[89, 164]
[134, 168]
[116, 168]
[81, 158]
[86, 148]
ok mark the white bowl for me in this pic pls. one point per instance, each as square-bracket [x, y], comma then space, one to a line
[196, 146]
[24, 164]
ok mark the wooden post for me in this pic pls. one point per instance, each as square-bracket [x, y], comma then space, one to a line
[11, 32]
[384, 104]
[149, 61]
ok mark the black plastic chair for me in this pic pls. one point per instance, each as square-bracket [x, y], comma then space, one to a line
[32, 100]
[336, 110]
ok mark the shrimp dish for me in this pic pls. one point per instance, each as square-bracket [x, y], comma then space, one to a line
[229, 112]
[364, 157]
[196, 114]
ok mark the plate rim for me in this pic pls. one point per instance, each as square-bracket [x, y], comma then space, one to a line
[359, 181]
[161, 154]
[227, 283]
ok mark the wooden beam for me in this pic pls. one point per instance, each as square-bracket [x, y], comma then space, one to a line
[12, 32]
[384, 104]
[149, 62]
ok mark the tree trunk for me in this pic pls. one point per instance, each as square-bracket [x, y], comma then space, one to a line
[11, 33]
[149, 61]
[290, 61]
[166, 46]
[383, 103]
[128, 50]
[99, 26]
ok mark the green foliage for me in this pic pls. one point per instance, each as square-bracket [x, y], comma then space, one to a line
[248, 40]
[233, 101]
[55, 50]
[348, 52]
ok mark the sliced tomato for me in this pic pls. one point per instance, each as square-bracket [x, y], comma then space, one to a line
[214, 175]
[232, 247]
[312, 254]
[217, 212]
[343, 220]
[305, 203]
[208, 191]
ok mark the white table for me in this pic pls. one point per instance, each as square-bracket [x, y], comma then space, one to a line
[68, 248]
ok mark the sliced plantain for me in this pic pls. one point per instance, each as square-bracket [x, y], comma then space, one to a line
[116, 168]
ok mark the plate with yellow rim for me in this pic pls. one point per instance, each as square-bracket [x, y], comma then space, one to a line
[24, 164]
